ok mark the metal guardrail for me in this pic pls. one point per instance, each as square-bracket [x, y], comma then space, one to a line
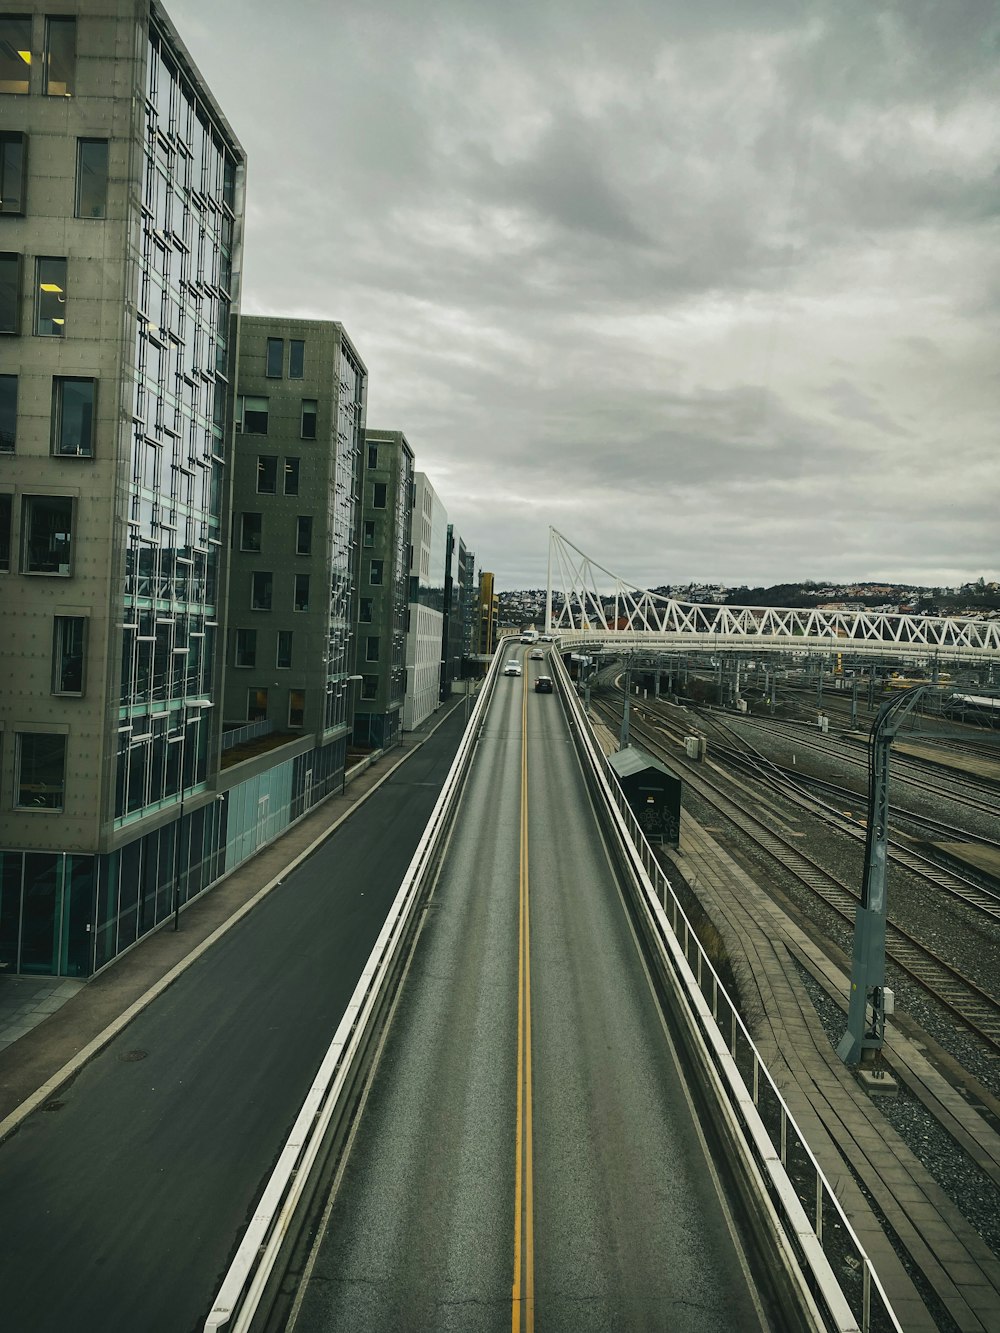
[330, 1097]
[821, 1236]
[238, 735]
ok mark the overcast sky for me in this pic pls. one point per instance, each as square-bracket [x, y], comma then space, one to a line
[712, 288]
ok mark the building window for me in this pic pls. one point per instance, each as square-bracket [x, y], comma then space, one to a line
[378, 495]
[13, 171]
[15, 54]
[251, 531]
[371, 648]
[375, 572]
[274, 358]
[303, 534]
[261, 590]
[369, 532]
[73, 411]
[253, 415]
[8, 413]
[48, 534]
[10, 293]
[369, 687]
[5, 511]
[301, 602]
[308, 427]
[67, 654]
[50, 298]
[91, 178]
[283, 655]
[41, 770]
[296, 359]
[296, 707]
[365, 610]
[60, 57]
[291, 476]
[372, 456]
[245, 648]
[267, 475]
[257, 705]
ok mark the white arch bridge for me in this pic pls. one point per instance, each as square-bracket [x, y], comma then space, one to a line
[627, 618]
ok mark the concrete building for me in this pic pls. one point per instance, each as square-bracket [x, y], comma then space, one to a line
[469, 597]
[425, 631]
[453, 646]
[488, 613]
[380, 660]
[121, 205]
[294, 564]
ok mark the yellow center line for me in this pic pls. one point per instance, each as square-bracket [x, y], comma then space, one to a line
[523, 1291]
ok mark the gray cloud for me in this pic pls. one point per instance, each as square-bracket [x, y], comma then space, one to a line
[713, 289]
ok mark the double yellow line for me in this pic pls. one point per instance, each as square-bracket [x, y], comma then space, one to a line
[522, 1311]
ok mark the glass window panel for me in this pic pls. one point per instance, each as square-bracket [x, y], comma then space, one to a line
[296, 707]
[267, 475]
[48, 534]
[50, 297]
[73, 410]
[373, 455]
[8, 413]
[371, 648]
[5, 511]
[301, 602]
[275, 357]
[254, 416]
[283, 656]
[13, 171]
[246, 648]
[261, 590]
[10, 293]
[251, 531]
[369, 687]
[308, 427]
[365, 610]
[15, 54]
[303, 534]
[296, 359]
[291, 476]
[257, 705]
[91, 178]
[375, 572]
[41, 771]
[68, 654]
[60, 57]
[379, 495]
[369, 532]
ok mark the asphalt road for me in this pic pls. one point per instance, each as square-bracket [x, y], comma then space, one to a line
[528, 1153]
[121, 1208]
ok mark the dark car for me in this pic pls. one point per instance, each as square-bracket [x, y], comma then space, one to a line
[543, 685]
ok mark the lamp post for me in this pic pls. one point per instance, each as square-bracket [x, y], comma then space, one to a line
[348, 680]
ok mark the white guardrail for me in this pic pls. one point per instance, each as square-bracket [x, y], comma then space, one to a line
[331, 1093]
[775, 1149]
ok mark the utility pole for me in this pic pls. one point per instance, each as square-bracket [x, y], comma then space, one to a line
[867, 1001]
[854, 704]
[623, 737]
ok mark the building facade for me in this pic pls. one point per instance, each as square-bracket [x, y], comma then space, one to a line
[295, 527]
[425, 627]
[120, 245]
[389, 493]
[488, 613]
[458, 566]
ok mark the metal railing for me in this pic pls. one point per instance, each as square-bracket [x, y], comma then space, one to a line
[817, 1232]
[239, 735]
[331, 1096]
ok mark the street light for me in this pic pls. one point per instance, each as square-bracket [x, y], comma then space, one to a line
[343, 780]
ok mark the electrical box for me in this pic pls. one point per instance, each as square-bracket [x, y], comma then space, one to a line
[888, 1001]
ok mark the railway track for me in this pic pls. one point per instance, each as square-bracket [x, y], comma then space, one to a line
[974, 1007]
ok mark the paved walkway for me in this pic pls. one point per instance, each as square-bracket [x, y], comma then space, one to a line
[51, 1026]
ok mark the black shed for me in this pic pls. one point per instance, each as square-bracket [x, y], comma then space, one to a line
[653, 793]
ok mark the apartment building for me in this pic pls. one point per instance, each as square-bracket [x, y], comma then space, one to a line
[389, 494]
[121, 205]
[425, 628]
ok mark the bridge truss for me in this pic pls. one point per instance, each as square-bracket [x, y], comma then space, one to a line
[628, 618]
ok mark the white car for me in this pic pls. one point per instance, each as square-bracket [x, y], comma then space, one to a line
[512, 668]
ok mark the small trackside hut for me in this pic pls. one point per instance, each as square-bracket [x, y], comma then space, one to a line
[653, 794]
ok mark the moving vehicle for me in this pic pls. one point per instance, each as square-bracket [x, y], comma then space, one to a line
[543, 685]
[512, 668]
[529, 636]
[536, 655]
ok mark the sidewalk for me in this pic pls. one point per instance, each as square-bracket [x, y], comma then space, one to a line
[51, 1026]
